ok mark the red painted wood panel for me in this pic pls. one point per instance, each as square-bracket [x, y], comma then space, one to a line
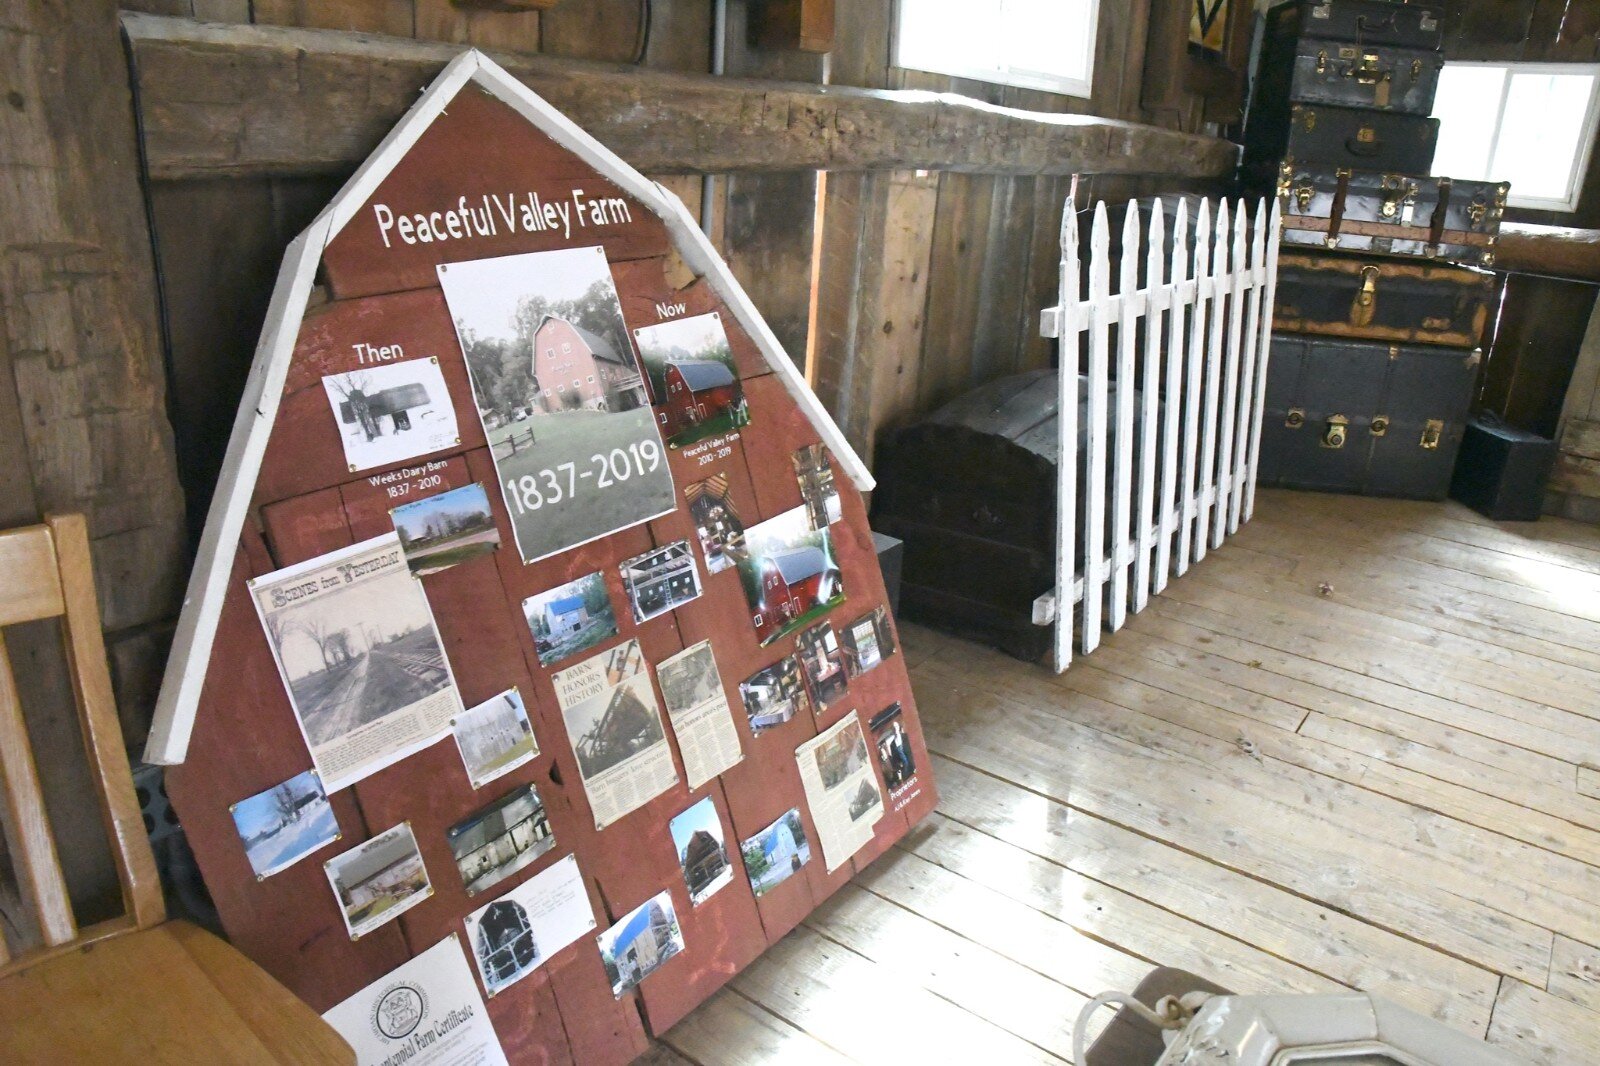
[478, 147]
[246, 741]
[304, 452]
[307, 502]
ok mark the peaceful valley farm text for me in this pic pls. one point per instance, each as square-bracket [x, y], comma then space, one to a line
[493, 214]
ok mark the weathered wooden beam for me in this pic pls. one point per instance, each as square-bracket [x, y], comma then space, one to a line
[1553, 250]
[237, 100]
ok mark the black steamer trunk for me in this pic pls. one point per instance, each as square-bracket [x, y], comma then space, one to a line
[971, 489]
[1354, 416]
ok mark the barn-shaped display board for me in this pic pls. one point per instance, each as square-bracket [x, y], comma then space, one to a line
[537, 632]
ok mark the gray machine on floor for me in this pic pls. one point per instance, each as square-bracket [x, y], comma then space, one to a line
[1175, 1018]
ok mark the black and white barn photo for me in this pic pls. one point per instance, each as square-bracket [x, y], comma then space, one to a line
[495, 737]
[504, 944]
[514, 935]
[660, 580]
[379, 879]
[501, 839]
[392, 412]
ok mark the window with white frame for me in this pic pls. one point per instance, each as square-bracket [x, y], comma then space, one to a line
[1531, 124]
[1036, 44]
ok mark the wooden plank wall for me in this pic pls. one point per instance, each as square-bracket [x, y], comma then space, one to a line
[930, 284]
[927, 283]
[82, 407]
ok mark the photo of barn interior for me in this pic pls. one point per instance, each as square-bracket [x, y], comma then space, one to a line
[1169, 429]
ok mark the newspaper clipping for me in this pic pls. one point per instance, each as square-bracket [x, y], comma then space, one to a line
[841, 789]
[698, 709]
[614, 724]
[356, 645]
[426, 1012]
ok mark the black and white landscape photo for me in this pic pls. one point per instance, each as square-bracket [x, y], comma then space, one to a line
[561, 396]
[443, 530]
[357, 648]
[392, 412]
[284, 824]
[379, 880]
[495, 737]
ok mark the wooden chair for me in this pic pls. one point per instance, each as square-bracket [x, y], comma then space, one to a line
[136, 988]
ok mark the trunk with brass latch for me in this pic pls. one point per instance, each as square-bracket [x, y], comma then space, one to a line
[1457, 221]
[1352, 74]
[1354, 138]
[1356, 416]
[1390, 300]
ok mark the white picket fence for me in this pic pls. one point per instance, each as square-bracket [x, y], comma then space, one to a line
[1195, 334]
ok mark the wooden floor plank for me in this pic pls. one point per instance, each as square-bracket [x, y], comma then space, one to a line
[1462, 800]
[1496, 868]
[1364, 670]
[1238, 907]
[1534, 800]
[730, 1030]
[1034, 905]
[1421, 656]
[1553, 540]
[1403, 589]
[1199, 670]
[919, 952]
[1545, 1030]
[1575, 973]
[1392, 785]
[1205, 812]
[870, 1012]
[1569, 590]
